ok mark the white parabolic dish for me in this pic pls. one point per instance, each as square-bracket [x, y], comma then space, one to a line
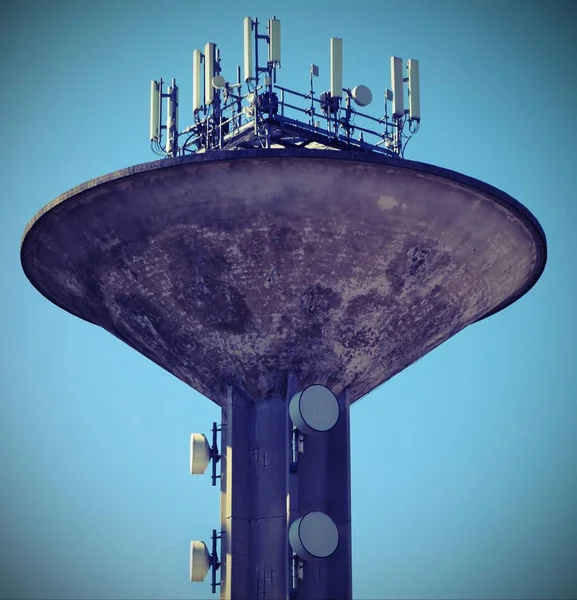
[199, 453]
[218, 82]
[362, 95]
[314, 535]
[199, 561]
[314, 409]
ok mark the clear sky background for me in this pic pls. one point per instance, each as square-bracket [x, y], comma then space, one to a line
[464, 465]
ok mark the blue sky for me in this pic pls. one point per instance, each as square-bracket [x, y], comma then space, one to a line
[464, 465]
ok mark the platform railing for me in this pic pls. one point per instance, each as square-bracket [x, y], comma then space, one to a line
[332, 122]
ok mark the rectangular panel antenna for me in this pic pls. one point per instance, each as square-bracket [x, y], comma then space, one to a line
[336, 67]
[209, 52]
[196, 86]
[414, 90]
[274, 42]
[154, 111]
[397, 85]
[169, 121]
[247, 48]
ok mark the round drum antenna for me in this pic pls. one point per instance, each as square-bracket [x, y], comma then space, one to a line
[362, 95]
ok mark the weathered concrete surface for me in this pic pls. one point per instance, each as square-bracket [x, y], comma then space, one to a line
[254, 488]
[342, 269]
[324, 483]
[261, 496]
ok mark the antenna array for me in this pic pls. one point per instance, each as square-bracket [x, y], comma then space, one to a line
[266, 115]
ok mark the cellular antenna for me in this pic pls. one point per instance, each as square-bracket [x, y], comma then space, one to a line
[336, 67]
[414, 90]
[154, 111]
[196, 85]
[397, 86]
[255, 112]
[248, 72]
[169, 122]
[274, 42]
[172, 119]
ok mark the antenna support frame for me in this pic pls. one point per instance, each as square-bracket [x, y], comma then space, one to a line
[297, 447]
[215, 563]
[215, 455]
[297, 572]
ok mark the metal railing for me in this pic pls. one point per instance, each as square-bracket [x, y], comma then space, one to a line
[267, 119]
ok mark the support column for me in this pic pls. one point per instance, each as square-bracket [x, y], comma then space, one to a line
[324, 478]
[254, 488]
[260, 498]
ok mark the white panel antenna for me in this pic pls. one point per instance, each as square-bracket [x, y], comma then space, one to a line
[196, 86]
[336, 67]
[397, 85]
[247, 48]
[172, 118]
[169, 121]
[154, 111]
[414, 90]
[274, 42]
[209, 52]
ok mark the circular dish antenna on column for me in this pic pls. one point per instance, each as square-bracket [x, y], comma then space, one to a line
[199, 561]
[199, 453]
[362, 95]
[314, 536]
[314, 409]
[218, 82]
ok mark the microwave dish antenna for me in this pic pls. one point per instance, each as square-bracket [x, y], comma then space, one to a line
[218, 82]
[315, 409]
[314, 536]
[362, 95]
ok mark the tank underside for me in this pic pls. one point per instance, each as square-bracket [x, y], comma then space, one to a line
[241, 267]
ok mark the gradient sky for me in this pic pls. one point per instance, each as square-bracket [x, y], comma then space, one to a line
[464, 465]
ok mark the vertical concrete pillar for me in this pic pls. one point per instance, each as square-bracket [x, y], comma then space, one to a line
[324, 483]
[235, 499]
[254, 488]
[261, 497]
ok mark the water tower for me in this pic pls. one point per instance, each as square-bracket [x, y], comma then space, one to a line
[284, 259]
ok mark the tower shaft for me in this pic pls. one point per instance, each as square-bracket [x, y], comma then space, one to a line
[261, 496]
